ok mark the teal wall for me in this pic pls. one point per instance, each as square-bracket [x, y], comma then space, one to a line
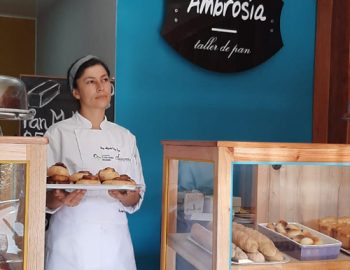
[161, 95]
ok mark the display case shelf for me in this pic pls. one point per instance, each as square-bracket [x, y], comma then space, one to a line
[298, 182]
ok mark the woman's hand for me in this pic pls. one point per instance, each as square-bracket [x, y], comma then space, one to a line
[59, 197]
[126, 197]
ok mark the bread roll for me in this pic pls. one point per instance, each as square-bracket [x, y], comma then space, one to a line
[268, 249]
[58, 174]
[271, 226]
[244, 241]
[79, 175]
[238, 254]
[277, 257]
[256, 257]
[328, 220]
[283, 223]
[292, 233]
[327, 225]
[58, 169]
[338, 228]
[292, 227]
[281, 229]
[317, 241]
[107, 174]
[89, 180]
[307, 234]
[342, 233]
[298, 238]
[344, 220]
[306, 241]
[265, 244]
[119, 181]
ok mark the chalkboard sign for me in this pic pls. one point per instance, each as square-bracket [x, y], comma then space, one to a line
[52, 102]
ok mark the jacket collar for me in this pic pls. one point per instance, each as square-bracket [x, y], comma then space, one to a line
[84, 122]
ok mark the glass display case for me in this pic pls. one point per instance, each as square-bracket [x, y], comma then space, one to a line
[22, 202]
[250, 205]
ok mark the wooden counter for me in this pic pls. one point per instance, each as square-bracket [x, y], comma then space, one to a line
[27, 158]
[314, 182]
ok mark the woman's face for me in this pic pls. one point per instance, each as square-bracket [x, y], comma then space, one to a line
[93, 88]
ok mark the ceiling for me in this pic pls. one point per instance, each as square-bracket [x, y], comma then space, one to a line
[18, 8]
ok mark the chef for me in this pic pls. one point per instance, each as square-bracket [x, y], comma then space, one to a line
[89, 228]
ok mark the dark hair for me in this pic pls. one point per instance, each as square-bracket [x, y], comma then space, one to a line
[89, 63]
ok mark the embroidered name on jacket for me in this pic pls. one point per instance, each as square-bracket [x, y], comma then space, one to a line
[109, 153]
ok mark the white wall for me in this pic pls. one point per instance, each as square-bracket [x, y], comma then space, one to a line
[69, 29]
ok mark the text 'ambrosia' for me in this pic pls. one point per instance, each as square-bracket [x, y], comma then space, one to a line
[246, 10]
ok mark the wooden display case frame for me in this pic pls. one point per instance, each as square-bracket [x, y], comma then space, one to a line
[32, 152]
[222, 154]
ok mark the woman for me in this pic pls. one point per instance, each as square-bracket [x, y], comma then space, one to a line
[89, 229]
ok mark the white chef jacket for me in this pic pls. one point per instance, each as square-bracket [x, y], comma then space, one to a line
[93, 235]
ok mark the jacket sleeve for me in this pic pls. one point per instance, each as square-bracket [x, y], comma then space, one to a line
[53, 148]
[137, 175]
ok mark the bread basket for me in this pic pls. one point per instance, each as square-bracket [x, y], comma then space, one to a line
[13, 99]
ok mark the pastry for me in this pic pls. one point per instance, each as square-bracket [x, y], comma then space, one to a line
[306, 241]
[244, 241]
[281, 228]
[78, 175]
[344, 220]
[298, 238]
[271, 226]
[256, 257]
[342, 233]
[277, 257]
[238, 254]
[88, 179]
[107, 174]
[121, 180]
[58, 174]
[327, 225]
[338, 228]
[294, 232]
[317, 241]
[292, 227]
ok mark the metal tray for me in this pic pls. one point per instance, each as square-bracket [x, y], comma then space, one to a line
[330, 248]
[70, 187]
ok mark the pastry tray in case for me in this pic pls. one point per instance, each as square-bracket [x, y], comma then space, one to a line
[70, 187]
[330, 248]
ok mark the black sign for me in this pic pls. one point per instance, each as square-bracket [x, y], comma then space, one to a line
[52, 102]
[224, 35]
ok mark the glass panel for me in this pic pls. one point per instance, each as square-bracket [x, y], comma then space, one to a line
[190, 214]
[302, 207]
[12, 205]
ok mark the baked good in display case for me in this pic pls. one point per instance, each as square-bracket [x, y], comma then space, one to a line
[256, 245]
[338, 228]
[248, 245]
